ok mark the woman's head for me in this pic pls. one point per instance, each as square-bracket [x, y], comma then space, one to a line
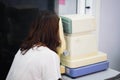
[43, 32]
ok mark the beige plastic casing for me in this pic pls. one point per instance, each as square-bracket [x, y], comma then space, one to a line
[79, 23]
[84, 61]
[80, 46]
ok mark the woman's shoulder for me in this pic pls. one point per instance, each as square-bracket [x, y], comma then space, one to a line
[43, 51]
[45, 55]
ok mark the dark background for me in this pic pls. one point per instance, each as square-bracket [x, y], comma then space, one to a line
[15, 19]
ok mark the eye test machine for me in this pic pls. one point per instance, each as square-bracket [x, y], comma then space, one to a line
[82, 56]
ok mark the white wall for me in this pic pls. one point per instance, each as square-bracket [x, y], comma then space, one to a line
[68, 8]
[109, 31]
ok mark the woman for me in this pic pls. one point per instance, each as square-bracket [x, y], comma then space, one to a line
[37, 59]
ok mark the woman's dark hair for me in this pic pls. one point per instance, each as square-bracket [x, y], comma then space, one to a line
[44, 31]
